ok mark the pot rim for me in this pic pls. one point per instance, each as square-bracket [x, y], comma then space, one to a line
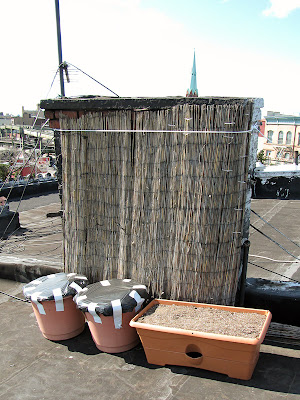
[225, 338]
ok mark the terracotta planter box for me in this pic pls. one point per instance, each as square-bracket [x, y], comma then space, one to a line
[230, 355]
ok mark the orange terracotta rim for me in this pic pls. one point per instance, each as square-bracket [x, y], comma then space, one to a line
[225, 338]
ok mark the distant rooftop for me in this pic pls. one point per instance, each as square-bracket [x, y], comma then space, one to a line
[5, 115]
[278, 118]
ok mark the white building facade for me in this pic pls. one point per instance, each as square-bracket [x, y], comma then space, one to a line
[281, 137]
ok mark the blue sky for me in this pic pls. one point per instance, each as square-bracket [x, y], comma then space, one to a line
[244, 48]
[237, 23]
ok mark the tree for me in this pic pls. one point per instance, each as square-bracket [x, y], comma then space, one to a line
[261, 157]
[4, 169]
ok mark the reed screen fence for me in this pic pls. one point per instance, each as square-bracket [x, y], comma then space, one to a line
[158, 196]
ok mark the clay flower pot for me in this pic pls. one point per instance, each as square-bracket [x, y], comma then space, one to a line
[109, 339]
[108, 307]
[51, 297]
[232, 355]
[59, 325]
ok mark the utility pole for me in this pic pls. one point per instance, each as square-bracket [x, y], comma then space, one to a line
[57, 140]
[61, 68]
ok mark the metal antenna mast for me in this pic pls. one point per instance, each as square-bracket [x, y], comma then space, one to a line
[61, 66]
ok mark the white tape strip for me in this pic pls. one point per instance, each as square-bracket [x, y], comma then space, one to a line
[71, 274]
[117, 313]
[105, 283]
[75, 286]
[126, 280]
[81, 277]
[35, 282]
[29, 289]
[59, 301]
[80, 298]
[139, 300]
[139, 287]
[92, 311]
[35, 301]
[80, 301]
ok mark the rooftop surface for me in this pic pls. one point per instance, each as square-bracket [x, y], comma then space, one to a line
[272, 171]
[33, 367]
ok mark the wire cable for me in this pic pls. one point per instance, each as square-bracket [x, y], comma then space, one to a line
[53, 80]
[12, 167]
[24, 165]
[277, 230]
[22, 195]
[93, 79]
[276, 273]
[274, 241]
[146, 131]
[271, 259]
[33, 151]
[14, 297]
[26, 182]
[39, 232]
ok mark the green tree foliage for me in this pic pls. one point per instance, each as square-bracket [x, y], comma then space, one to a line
[3, 171]
[261, 157]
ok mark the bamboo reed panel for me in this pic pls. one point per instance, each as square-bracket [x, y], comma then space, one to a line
[165, 209]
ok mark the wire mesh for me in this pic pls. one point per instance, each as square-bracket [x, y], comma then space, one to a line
[164, 208]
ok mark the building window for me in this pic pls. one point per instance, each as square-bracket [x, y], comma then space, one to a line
[287, 156]
[289, 138]
[268, 153]
[270, 137]
[298, 139]
[280, 137]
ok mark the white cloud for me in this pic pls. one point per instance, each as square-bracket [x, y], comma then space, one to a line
[281, 8]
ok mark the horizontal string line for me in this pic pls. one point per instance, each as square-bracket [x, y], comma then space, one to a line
[147, 191]
[146, 131]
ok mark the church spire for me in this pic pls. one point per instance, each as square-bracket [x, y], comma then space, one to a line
[193, 91]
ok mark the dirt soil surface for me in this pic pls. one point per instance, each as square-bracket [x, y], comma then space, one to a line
[205, 319]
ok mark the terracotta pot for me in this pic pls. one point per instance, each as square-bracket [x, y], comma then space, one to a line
[59, 325]
[109, 339]
[230, 355]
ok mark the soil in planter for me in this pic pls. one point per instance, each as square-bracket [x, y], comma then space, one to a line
[205, 319]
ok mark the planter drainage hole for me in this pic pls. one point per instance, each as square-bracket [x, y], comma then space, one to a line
[194, 354]
[192, 351]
